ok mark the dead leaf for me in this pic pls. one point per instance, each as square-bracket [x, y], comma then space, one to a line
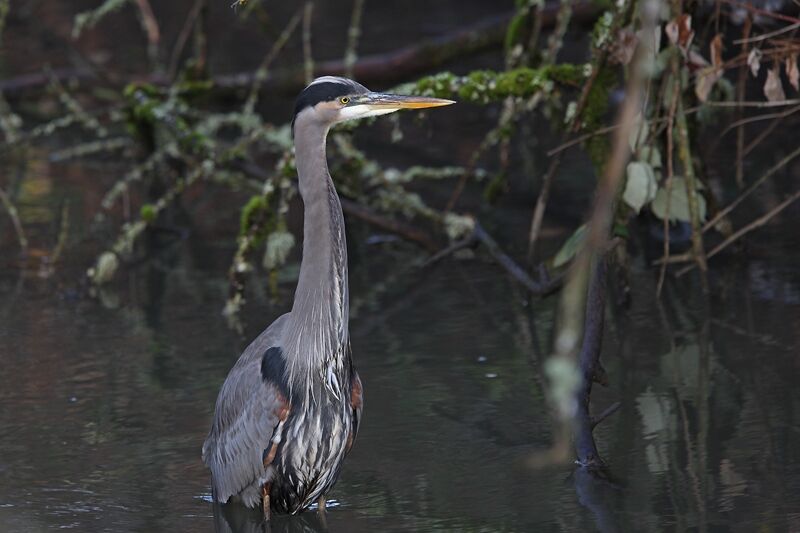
[792, 72]
[708, 76]
[716, 51]
[679, 32]
[624, 46]
[773, 89]
[671, 29]
[754, 61]
[695, 60]
[685, 32]
[705, 80]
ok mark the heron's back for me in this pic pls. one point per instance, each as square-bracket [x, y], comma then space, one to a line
[243, 425]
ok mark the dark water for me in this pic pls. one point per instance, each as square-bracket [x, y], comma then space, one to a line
[104, 403]
[105, 400]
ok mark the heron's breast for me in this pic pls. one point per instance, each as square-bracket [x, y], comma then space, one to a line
[313, 448]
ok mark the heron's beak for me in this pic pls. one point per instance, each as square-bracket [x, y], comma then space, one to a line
[393, 102]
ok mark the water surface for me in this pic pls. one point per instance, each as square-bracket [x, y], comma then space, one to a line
[105, 398]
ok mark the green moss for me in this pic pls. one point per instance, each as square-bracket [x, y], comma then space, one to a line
[251, 211]
[485, 86]
[497, 186]
[258, 219]
[515, 28]
[602, 31]
[598, 98]
[188, 87]
[148, 213]
[597, 103]
[567, 73]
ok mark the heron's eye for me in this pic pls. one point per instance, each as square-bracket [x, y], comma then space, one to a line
[344, 100]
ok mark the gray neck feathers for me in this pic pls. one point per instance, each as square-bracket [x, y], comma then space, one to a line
[316, 337]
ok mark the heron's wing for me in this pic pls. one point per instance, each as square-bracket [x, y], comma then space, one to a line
[246, 415]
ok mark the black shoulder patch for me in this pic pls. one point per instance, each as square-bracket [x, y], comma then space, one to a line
[273, 369]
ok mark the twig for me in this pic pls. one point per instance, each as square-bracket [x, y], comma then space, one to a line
[757, 223]
[691, 187]
[201, 42]
[758, 118]
[740, 88]
[677, 258]
[670, 173]
[4, 7]
[761, 136]
[86, 119]
[308, 58]
[150, 26]
[608, 129]
[504, 122]
[183, 38]
[353, 33]
[541, 201]
[480, 235]
[25, 84]
[263, 68]
[769, 35]
[556, 39]
[763, 12]
[778, 103]
[9, 122]
[772, 170]
[402, 229]
[450, 250]
[766, 340]
[610, 410]
[580, 138]
[63, 234]
[510, 266]
[541, 205]
[14, 216]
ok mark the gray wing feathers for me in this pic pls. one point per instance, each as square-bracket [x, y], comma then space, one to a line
[244, 421]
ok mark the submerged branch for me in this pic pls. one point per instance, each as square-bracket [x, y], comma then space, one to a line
[753, 186]
[757, 223]
[590, 368]
[480, 235]
[403, 229]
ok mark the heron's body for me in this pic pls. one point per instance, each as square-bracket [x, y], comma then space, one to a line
[289, 409]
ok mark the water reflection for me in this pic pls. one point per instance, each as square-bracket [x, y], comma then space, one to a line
[597, 491]
[235, 518]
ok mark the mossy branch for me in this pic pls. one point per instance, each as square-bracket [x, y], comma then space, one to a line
[89, 19]
[486, 86]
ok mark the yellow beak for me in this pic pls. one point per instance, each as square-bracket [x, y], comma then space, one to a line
[395, 101]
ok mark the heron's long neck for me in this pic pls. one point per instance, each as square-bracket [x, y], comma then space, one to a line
[318, 332]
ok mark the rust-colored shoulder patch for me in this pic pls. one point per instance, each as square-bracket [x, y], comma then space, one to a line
[356, 393]
[282, 412]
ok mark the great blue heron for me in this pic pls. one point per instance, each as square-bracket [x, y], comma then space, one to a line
[289, 410]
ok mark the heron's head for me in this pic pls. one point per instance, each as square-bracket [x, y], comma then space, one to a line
[331, 99]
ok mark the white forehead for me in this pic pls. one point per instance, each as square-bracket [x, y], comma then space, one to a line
[356, 87]
[330, 79]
